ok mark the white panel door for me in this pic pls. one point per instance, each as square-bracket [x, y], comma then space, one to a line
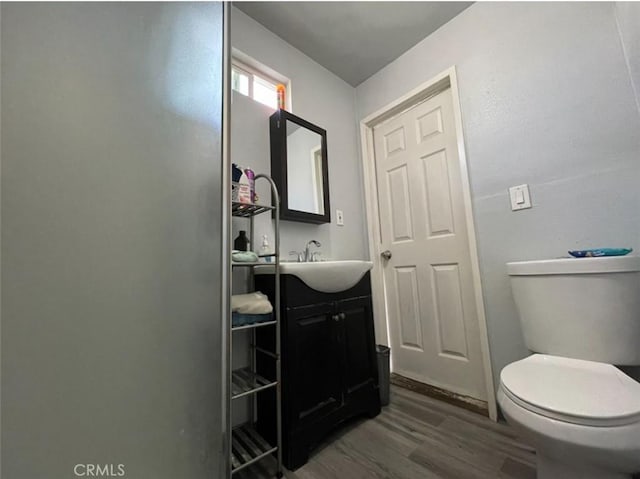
[429, 289]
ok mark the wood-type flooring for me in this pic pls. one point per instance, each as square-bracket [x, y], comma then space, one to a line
[415, 437]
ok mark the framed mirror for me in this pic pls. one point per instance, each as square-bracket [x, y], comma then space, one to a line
[299, 168]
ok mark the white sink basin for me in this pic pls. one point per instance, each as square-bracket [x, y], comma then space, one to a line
[324, 276]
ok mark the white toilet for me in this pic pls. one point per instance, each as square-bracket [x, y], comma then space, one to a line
[581, 413]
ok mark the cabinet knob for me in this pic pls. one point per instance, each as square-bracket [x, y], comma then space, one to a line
[335, 317]
[342, 316]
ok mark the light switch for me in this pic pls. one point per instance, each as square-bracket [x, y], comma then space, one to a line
[520, 198]
[339, 218]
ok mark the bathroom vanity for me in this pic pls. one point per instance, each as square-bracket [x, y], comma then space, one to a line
[329, 370]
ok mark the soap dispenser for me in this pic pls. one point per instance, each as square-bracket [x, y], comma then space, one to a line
[264, 249]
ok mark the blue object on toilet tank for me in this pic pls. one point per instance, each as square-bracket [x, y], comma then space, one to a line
[589, 253]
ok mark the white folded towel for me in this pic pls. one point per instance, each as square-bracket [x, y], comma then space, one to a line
[251, 303]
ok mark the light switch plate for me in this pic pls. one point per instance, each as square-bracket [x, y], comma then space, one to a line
[520, 198]
[339, 218]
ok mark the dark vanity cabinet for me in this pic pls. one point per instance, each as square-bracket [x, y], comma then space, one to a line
[329, 369]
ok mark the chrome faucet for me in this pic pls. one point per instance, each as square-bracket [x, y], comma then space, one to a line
[298, 256]
[307, 254]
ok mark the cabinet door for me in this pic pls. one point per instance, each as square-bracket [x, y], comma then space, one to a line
[358, 345]
[314, 362]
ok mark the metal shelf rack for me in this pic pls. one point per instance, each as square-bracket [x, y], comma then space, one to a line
[247, 446]
[244, 381]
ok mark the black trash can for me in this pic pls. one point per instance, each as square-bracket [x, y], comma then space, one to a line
[384, 371]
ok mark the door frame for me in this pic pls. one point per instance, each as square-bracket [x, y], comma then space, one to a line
[430, 88]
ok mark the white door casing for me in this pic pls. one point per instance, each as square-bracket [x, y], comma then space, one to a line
[414, 160]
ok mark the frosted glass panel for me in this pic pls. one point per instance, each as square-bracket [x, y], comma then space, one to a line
[265, 93]
[240, 82]
[111, 239]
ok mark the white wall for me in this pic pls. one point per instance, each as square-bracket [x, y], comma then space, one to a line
[323, 99]
[628, 17]
[546, 100]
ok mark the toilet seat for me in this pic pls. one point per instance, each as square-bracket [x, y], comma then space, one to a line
[572, 390]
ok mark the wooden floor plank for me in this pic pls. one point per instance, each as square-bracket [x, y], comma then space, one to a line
[518, 470]
[449, 466]
[415, 437]
[460, 449]
[341, 461]
[381, 450]
[400, 394]
[489, 441]
[414, 411]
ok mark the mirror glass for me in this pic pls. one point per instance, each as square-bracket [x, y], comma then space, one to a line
[304, 169]
[299, 168]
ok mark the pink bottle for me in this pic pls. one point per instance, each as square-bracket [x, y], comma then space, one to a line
[252, 183]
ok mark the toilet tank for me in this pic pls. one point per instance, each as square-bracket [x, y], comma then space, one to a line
[583, 308]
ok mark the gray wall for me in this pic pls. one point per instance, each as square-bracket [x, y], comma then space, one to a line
[111, 239]
[323, 99]
[546, 100]
[628, 17]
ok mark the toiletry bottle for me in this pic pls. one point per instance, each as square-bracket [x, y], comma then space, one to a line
[281, 90]
[236, 173]
[264, 249]
[252, 183]
[241, 243]
[244, 188]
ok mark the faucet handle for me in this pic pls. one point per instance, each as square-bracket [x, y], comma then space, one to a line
[315, 256]
[297, 255]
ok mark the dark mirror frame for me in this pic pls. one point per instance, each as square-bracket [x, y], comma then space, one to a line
[278, 134]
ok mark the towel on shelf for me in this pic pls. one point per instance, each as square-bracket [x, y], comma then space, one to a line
[244, 256]
[251, 303]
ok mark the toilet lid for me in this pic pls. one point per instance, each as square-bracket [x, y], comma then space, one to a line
[572, 390]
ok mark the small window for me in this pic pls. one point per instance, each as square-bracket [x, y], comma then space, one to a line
[251, 82]
[240, 81]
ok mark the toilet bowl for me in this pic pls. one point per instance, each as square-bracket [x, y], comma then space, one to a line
[580, 412]
[582, 417]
